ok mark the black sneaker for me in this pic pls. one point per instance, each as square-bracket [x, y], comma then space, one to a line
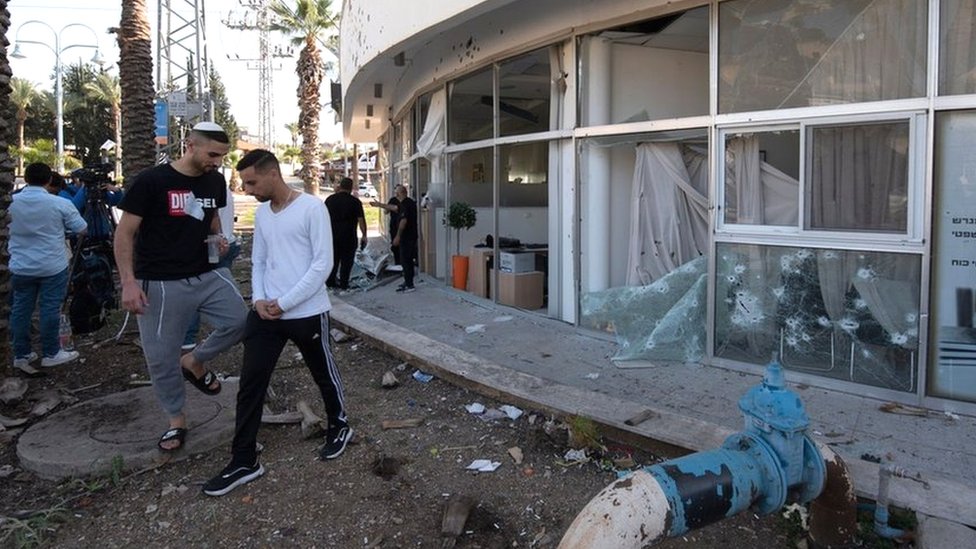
[405, 289]
[231, 477]
[336, 439]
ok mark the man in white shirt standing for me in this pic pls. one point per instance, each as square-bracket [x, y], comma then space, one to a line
[291, 258]
[39, 267]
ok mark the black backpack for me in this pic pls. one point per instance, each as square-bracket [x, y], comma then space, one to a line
[92, 292]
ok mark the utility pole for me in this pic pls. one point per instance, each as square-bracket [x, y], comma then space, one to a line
[264, 63]
[182, 74]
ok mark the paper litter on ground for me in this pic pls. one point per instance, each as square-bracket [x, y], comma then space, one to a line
[483, 465]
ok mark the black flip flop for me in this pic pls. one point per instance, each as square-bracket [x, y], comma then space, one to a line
[176, 433]
[202, 383]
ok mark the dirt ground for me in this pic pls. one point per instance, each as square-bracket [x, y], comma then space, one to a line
[389, 489]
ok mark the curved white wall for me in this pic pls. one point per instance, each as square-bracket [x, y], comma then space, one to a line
[441, 39]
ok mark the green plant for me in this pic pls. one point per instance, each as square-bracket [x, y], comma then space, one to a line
[118, 465]
[460, 216]
[583, 433]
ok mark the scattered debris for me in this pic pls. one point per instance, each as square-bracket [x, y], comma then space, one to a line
[385, 467]
[591, 376]
[511, 411]
[402, 367]
[492, 414]
[951, 416]
[483, 465]
[47, 401]
[475, 408]
[422, 377]
[12, 389]
[505, 318]
[516, 454]
[626, 462]
[6, 471]
[11, 422]
[895, 408]
[80, 389]
[640, 417]
[475, 328]
[576, 456]
[401, 423]
[870, 457]
[456, 513]
[280, 419]
[389, 380]
[312, 425]
[338, 335]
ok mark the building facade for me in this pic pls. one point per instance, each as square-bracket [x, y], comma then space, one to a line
[714, 181]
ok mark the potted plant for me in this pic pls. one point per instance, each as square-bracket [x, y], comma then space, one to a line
[460, 216]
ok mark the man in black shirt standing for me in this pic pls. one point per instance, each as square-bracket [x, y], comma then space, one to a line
[406, 237]
[346, 212]
[161, 251]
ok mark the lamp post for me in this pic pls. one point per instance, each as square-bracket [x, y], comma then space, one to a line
[58, 49]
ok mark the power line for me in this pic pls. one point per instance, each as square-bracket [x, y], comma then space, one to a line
[259, 17]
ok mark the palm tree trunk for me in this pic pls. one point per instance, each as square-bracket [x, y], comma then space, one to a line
[309, 80]
[21, 119]
[6, 190]
[136, 82]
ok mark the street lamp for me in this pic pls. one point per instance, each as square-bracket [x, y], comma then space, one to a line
[58, 49]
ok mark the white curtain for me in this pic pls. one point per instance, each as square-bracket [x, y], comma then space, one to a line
[431, 142]
[669, 222]
[880, 55]
[859, 177]
[957, 62]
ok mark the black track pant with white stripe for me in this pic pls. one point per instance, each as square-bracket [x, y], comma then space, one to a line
[263, 343]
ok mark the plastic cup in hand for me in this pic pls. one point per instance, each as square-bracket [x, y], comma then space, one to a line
[213, 248]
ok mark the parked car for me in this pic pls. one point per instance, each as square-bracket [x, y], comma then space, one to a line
[367, 190]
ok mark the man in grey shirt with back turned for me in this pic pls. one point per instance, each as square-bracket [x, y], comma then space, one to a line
[161, 252]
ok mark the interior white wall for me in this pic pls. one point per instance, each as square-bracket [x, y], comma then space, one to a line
[529, 225]
[664, 83]
[622, 162]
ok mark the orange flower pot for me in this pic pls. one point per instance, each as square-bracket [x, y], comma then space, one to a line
[459, 271]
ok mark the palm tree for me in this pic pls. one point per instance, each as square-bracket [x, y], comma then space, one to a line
[22, 94]
[6, 188]
[136, 82]
[307, 23]
[106, 89]
[292, 128]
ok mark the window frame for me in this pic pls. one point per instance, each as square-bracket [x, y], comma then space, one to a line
[912, 237]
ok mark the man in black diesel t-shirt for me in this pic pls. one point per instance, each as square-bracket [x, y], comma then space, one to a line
[406, 237]
[346, 213]
[168, 214]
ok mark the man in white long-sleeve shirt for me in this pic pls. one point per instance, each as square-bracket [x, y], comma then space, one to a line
[291, 257]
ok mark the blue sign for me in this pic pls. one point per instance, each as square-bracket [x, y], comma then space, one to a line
[162, 119]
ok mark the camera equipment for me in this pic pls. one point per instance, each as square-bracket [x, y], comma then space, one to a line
[94, 176]
[92, 280]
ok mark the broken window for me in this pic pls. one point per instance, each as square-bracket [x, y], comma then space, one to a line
[849, 315]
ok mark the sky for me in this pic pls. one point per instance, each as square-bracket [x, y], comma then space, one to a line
[240, 82]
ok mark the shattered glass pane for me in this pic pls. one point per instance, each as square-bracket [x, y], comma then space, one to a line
[661, 321]
[370, 263]
[850, 315]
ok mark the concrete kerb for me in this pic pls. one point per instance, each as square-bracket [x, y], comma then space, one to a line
[941, 498]
[88, 438]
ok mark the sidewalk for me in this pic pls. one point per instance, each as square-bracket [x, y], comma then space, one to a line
[545, 364]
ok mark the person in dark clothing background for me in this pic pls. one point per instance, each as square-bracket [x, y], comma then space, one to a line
[406, 237]
[392, 207]
[346, 212]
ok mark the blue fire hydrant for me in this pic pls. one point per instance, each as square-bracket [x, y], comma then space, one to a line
[771, 461]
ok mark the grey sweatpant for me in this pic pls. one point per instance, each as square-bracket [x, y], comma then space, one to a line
[164, 322]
